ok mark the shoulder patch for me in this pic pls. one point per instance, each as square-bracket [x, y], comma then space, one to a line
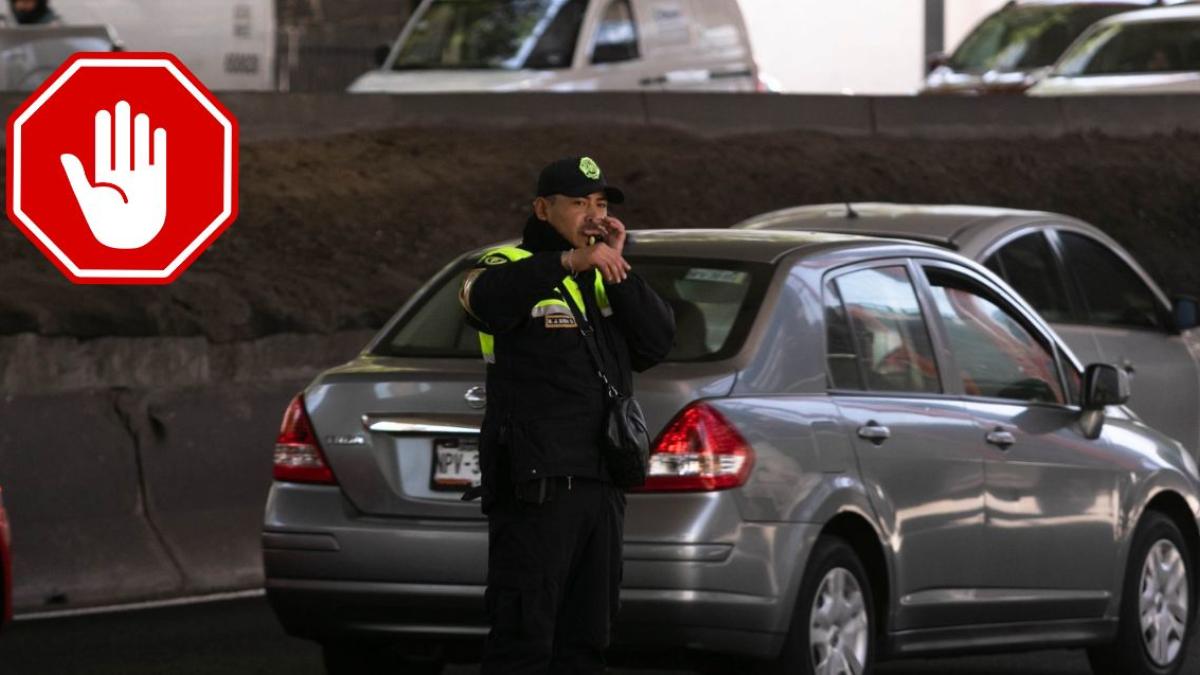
[495, 259]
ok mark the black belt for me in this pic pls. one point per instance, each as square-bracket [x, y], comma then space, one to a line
[541, 490]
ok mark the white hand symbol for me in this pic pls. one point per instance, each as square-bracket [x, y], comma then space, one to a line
[127, 205]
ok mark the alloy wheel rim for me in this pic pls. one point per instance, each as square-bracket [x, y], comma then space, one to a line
[1163, 602]
[838, 625]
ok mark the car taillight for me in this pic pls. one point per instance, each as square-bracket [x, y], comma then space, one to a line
[298, 456]
[698, 451]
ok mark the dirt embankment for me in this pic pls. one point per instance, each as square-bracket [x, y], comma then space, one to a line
[335, 233]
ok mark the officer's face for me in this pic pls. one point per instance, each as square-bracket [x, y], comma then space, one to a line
[575, 218]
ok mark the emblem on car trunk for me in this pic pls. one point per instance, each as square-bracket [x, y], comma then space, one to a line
[356, 439]
[476, 397]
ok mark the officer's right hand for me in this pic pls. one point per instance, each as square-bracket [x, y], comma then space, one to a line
[603, 257]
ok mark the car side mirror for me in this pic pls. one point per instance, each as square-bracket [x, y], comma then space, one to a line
[1103, 385]
[1186, 311]
[380, 55]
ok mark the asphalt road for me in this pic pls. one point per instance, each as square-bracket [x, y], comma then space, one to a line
[241, 636]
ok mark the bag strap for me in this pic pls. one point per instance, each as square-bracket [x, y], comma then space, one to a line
[589, 339]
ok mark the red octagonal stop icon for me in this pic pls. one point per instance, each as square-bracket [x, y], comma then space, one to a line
[122, 168]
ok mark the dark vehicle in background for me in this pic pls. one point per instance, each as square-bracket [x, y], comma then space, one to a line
[848, 431]
[1154, 51]
[1013, 48]
[5, 566]
[1090, 289]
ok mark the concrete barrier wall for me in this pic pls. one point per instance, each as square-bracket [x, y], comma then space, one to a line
[72, 488]
[301, 115]
[137, 468]
[206, 459]
[264, 116]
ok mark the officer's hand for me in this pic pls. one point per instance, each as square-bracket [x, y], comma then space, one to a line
[603, 257]
[611, 230]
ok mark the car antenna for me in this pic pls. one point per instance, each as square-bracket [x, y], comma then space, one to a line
[850, 212]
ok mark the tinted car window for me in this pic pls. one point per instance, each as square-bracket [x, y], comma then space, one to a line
[842, 366]
[714, 303]
[556, 48]
[996, 356]
[493, 34]
[1114, 294]
[1026, 37]
[889, 333]
[1028, 265]
[616, 37]
[1142, 47]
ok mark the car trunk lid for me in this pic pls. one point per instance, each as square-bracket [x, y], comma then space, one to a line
[400, 433]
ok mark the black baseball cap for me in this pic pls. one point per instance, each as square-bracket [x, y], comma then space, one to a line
[576, 177]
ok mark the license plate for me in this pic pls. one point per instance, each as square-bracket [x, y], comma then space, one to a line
[455, 463]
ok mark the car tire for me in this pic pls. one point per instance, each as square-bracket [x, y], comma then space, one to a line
[833, 626]
[347, 658]
[1161, 564]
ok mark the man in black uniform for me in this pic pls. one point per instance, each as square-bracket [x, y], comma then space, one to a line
[555, 521]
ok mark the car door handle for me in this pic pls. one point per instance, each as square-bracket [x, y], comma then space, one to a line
[1001, 438]
[1127, 366]
[874, 432]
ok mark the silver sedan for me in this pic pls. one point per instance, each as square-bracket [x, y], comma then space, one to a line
[1090, 289]
[866, 449]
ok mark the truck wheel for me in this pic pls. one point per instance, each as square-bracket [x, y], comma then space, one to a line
[1156, 607]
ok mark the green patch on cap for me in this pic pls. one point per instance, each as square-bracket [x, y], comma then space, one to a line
[589, 168]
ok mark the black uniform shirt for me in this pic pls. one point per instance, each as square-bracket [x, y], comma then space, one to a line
[546, 403]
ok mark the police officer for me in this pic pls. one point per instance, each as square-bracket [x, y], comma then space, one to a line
[555, 520]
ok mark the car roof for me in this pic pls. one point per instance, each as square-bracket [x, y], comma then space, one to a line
[1142, 3]
[736, 245]
[940, 224]
[1181, 11]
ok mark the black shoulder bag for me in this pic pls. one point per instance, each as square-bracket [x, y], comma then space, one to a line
[626, 442]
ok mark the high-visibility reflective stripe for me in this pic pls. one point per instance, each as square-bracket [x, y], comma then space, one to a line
[573, 289]
[511, 252]
[602, 296]
[487, 343]
[464, 291]
[551, 306]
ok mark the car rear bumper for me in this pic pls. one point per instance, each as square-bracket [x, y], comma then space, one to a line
[332, 574]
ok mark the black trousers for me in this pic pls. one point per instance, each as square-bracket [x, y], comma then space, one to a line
[554, 577]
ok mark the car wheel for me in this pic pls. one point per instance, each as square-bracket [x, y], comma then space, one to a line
[1152, 636]
[833, 625]
[346, 658]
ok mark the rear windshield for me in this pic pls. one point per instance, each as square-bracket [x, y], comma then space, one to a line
[1143, 47]
[1025, 38]
[714, 303]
